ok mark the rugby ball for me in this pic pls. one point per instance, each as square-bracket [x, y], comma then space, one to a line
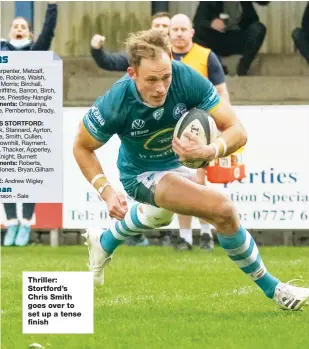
[202, 125]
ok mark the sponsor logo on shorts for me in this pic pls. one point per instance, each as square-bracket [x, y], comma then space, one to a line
[157, 115]
[138, 124]
[150, 177]
[179, 110]
[95, 112]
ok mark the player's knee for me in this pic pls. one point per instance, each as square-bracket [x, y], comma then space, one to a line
[156, 216]
[226, 212]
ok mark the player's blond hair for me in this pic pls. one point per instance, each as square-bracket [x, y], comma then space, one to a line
[147, 44]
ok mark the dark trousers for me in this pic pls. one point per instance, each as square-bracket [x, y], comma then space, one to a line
[11, 212]
[245, 42]
[301, 40]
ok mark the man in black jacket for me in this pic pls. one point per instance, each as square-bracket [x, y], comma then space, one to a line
[230, 27]
[21, 37]
[301, 35]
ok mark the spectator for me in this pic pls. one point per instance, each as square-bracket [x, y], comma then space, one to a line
[161, 21]
[230, 27]
[21, 36]
[201, 59]
[18, 233]
[119, 61]
[205, 62]
[301, 35]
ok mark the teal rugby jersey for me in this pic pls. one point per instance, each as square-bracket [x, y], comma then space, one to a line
[146, 133]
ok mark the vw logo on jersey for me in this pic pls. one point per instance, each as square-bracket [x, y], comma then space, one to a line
[138, 124]
[179, 110]
[157, 115]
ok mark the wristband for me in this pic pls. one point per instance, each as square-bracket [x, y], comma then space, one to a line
[102, 187]
[216, 148]
[223, 142]
[95, 178]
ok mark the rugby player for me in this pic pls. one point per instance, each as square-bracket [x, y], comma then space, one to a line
[153, 95]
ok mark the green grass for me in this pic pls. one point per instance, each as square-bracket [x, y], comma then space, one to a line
[157, 298]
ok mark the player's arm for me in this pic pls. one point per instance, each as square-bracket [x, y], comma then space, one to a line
[232, 138]
[223, 91]
[216, 76]
[84, 153]
[92, 133]
[203, 95]
[233, 135]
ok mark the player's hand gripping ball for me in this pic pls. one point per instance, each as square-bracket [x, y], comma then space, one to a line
[204, 130]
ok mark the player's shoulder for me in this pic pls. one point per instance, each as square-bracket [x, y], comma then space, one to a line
[119, 89]
[178, 67]
[180, 72]
[114, 99]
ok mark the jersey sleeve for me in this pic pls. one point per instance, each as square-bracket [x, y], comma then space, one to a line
[215, 70]
[100, 122]
[201, 93]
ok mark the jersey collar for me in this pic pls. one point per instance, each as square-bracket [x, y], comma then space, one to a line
[134, 91]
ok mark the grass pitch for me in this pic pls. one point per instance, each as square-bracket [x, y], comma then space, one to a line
[157, 298]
